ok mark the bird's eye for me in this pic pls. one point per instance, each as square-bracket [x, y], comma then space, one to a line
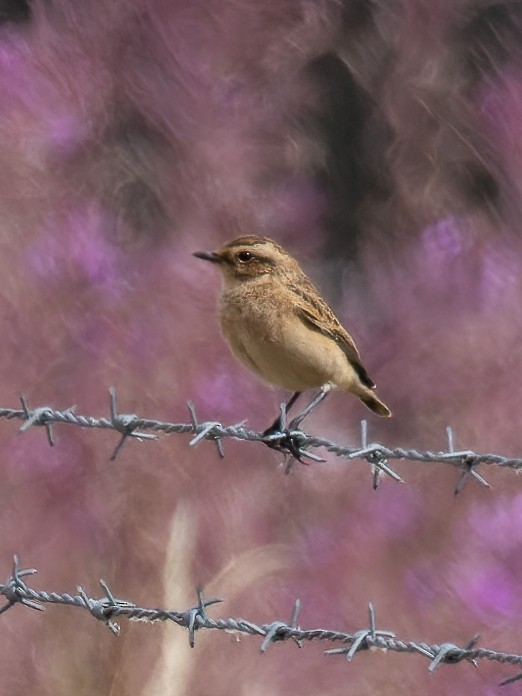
[245, 256]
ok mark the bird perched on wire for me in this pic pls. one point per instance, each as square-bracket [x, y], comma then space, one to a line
[278, 325]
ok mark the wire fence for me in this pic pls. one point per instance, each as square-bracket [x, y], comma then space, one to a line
[287, 438]
[108, 608]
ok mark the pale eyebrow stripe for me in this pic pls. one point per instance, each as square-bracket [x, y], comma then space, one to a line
[237, 245]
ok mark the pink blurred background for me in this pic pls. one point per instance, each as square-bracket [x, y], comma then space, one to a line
[378, 141]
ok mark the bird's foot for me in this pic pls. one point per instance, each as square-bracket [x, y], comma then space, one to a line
[279, 425]
[293, 445]
[286, 438]
[289, 445]
[274, 429]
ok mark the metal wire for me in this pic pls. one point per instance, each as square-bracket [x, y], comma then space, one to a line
[288, 439]
[296, 445]
[108, 608]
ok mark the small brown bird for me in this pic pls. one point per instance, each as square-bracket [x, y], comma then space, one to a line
[278, 325]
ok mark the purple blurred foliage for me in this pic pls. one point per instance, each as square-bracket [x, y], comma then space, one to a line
[380, 142]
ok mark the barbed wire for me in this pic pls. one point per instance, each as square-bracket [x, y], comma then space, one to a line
[296, 445]
[108, 608]
[287, 438]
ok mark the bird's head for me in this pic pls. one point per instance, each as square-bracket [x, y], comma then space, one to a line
[250, 257]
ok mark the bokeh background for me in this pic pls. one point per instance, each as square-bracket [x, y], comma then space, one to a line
[379, 140]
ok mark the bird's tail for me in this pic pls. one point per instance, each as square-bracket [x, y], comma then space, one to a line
[373, 403]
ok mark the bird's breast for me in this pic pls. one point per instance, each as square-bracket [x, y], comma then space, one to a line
[267, 335]
[254, 311]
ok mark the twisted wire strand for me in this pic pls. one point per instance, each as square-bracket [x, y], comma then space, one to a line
[108, 608]
[290, 440]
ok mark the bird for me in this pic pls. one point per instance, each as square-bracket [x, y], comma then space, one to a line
[277, 324]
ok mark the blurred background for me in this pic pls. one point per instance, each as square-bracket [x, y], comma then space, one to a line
[379, 141]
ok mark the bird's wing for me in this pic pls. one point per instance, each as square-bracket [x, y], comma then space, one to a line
[316, 314]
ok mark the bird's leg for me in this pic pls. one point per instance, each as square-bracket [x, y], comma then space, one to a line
[280, 422]
[286, 441]
[321, 396]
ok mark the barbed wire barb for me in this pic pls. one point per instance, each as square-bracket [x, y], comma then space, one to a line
[126, 424]
[197, 616]
[294, 622]
[15, 588]
[450, 653]
[36, 417]
[374, 456]
[511, 680]
[272, 634]
[363, 639]
[468, 463]
[204, 430]
[376, 471]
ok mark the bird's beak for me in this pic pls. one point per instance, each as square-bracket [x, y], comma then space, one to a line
[208, 256]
